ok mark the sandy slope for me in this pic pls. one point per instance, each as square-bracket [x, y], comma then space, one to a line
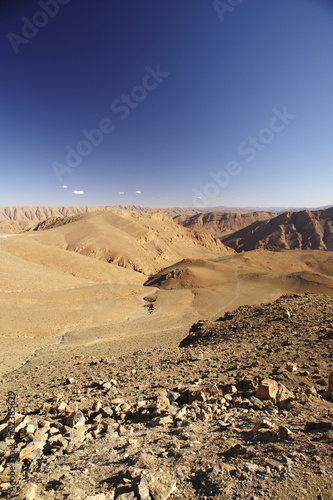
[45, 291]
[142, 243]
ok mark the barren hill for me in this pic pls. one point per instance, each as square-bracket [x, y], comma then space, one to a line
[290, 230]
[306, 271]
[140, 242]
[219, 223]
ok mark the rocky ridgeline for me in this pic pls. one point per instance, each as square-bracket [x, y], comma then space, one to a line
[59, 428]
[289, 230]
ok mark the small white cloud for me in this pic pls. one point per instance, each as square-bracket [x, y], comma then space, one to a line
[138, 192]
[64, 186]
[121, 192]
[77, 192]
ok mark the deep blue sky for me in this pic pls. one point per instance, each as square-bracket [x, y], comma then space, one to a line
[225, 78]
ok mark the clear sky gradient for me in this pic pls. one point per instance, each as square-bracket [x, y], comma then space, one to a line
[191, 102]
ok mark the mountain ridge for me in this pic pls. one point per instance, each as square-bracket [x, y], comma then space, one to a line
[306, 230]
[42, 212]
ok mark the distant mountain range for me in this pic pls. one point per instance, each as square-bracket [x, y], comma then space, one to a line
[37, 214]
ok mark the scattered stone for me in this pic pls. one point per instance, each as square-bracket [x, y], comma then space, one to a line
[283, 397]
[62, 407]
[181, 414]
[286, 314]
[153, 427]
[107, 412]
[173, 396]
[31, 492]
[284, 432]
[262, 424]
[274, 464]
[76, 418]
[291, 367]
[96, 406]
[118, 401]
[286, 460]
[197, 356]
[142, 489]
[126, 496]
[267, 389]
[162, 403]
[257, 402]
[71, 407]
[250, 467]
[46, 407]
[310, 391]
[196, 395]
[161, 485]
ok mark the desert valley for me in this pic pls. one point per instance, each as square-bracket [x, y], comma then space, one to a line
[166, 250]
[166, 353]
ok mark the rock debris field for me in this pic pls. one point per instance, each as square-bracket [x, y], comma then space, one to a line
[242, 409]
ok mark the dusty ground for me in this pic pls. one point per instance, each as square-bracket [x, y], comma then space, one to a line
[211, 450]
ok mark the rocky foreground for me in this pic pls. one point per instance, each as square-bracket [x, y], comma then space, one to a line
[242, 409]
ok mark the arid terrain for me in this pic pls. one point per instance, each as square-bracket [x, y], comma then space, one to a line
[113, 319]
